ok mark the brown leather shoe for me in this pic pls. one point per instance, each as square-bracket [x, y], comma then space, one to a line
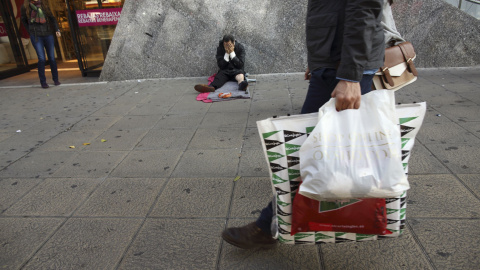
[203, 88]
[248, 237]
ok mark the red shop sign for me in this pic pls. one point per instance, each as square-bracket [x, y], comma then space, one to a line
[95, 17]
[3, 30]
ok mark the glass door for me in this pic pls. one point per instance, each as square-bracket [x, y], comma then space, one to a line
[93, 23]
[13, 45]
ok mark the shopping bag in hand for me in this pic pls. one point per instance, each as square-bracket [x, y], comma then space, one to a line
[354, 153]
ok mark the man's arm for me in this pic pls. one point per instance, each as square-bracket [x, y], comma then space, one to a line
[221, 62]
[239, 59]
[359, 30]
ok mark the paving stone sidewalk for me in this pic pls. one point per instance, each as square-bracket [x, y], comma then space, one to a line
[140, 175]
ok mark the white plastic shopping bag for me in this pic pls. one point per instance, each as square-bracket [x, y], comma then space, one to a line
[354, 153]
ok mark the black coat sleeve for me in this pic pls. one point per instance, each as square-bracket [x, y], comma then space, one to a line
[239, 59]
[222, 64]
[363, 19]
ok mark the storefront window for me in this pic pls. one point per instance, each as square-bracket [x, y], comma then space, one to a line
[11, 55]
[96, 21]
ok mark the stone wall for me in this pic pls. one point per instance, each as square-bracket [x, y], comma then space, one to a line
[178, 38]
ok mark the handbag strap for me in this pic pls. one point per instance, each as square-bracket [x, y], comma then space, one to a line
[408, 57]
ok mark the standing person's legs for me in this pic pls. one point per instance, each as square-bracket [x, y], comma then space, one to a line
[258, 234]
[38, 44]
[320, 89]
[50, 48]
[322, 84]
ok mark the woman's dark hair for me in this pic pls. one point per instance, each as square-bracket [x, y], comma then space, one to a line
[228, 37]
[390, 2]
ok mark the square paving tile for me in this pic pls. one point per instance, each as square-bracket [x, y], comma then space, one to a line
[225, 120]
[12, 189]
[38, 164]
[217, 138]
[459, 158]
[472, 181]
[122, 197]
[21, 237]
[208, 163]
[114, 139]
[164, 139]
[175, 244]
[423, 161]
[446, 132]
[136, 122]
[115, 109]
[460, 113]
[148, 163]
[277, 106]
[150, 109]
[440, 195]
[473, 127]
[190, 197]
[95, 123]
[54, 197]
[253, 163]
[188, 105]
[91, 164]
[451, 244]
[392, 253]
[251, 139]
[272, 93]
[280, 257]
[251, 195]
[238, 106]
[63, 141]
[179, 121]
[86, 243]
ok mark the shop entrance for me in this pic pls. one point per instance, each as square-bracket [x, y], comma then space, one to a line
[87, 28]
[92, 24]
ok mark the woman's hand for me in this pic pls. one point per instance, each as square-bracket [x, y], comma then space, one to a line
[58, 34]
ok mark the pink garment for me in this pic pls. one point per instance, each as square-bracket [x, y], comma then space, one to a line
[211, 78]
[204, 97]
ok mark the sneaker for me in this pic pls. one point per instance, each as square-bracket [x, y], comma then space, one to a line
[203, 88]
[243, 85]
[44, 85]
[248, 237]
[57, 83]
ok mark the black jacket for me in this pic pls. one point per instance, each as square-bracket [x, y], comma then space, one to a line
[346, 35]
[236, 64]
[39, 29]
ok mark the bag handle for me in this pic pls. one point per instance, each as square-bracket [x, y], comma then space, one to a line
[408, 58]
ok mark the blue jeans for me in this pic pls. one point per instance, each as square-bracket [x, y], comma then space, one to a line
[41, 44]
[322, 84]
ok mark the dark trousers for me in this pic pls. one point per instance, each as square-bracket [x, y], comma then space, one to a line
[322, 84]
[42, 44]
[223, 76]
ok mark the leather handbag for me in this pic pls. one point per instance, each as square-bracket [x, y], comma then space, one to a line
[398, 69]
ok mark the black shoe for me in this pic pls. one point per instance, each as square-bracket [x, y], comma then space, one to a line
[203, 88]
[44, 85]
[248, 237]
[57, 83]
[243, 85]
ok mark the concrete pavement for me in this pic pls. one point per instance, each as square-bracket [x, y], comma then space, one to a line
[150, 183]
